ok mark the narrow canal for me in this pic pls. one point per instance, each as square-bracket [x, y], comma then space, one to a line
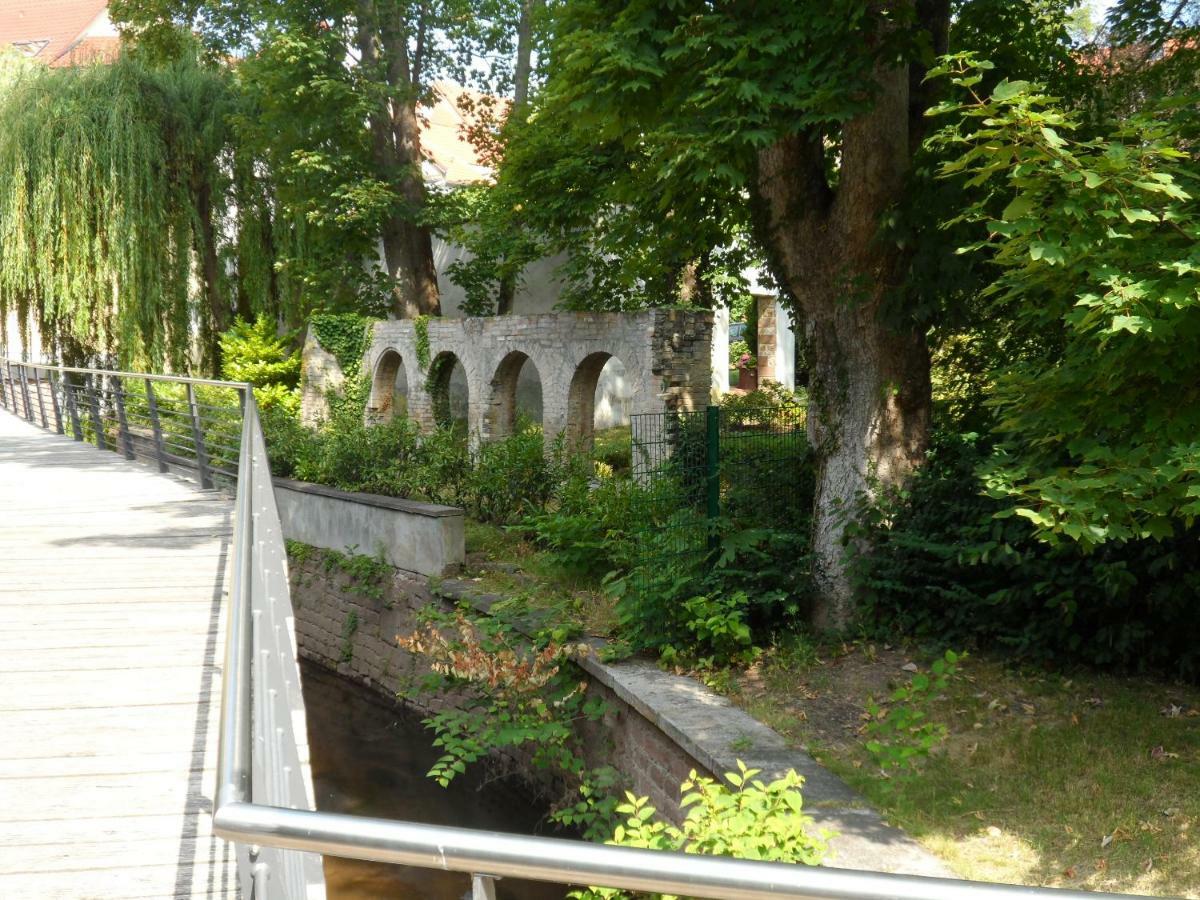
[369, 758]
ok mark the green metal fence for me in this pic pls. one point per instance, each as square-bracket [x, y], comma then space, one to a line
[721, 467]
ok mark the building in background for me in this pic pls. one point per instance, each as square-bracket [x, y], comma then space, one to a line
[59, 32]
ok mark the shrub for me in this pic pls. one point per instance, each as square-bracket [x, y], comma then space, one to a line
[951, 565]
[512, 478]
[745, 818]
[253, 352]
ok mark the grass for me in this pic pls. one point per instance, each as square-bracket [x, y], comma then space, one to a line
[502, 561]
[1083, 780]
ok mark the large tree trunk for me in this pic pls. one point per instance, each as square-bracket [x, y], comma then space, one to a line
[210, 271]
[869, 392]
[396, 147]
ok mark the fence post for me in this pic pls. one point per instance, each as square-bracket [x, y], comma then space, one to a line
[152, 405]
[25, 392]
[206, 481]
[72, 407]
[712, 470]
[37, 387]
[94, 404]
[58, 422]
[122, 422]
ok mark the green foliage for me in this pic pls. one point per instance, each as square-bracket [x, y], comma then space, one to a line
[1097, 250]
[513, 478]
[368, 575]
[346, 336]
[740, 356]
[945, 568]
[901, 734]
[421, 334]
[708, 609]
[589, 526]
[252, 352]
[745, 818]
[112, 184]
[511, 695]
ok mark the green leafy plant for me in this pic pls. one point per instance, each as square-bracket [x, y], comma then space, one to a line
[901, 734]
[345, 336]
[511, 694]
[742, 817]
[421, 340]
[253, 352]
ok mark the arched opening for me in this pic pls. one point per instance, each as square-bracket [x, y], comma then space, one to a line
[448, 392]
[599, 400]
[389, 389]
[516, 395]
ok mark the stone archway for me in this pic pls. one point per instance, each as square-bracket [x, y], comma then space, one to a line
[516, 389]
[581, 400]
[449, 393]
[389, 388]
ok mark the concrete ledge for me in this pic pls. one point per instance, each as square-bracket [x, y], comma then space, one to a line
[421, 537]
[708, 728]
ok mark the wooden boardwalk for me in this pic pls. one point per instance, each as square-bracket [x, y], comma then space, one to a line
[111, 586]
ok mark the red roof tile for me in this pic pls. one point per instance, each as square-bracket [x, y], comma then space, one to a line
[47, 29]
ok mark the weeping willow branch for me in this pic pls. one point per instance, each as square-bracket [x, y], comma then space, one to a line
[114, 205]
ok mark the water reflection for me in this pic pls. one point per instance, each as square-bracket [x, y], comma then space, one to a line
[370, 759]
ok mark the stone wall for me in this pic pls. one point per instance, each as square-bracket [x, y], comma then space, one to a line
[347, 630]
[666, 354]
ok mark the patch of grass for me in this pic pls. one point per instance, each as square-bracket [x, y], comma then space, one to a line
[1083, 780]
[501, 561]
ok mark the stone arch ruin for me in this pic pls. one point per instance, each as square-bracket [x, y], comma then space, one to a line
[666, 355]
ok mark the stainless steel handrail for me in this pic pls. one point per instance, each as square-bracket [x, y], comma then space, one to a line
[277, 845]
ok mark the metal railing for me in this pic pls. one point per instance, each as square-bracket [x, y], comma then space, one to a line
[263, 802]
[186, 425]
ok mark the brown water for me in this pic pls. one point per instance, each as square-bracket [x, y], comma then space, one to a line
[370, 759]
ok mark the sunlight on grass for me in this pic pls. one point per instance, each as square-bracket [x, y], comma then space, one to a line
[1087, 781]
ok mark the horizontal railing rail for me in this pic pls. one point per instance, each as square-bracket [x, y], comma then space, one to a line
[185, 425]
[263, 802]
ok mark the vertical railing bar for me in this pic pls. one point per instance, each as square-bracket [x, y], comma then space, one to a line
[198, 441]
[122, 422]
[94, 404]
[25, 392]
[69, 390]
[156, 426]
[58, 421]
[37, 386]
[483, 887]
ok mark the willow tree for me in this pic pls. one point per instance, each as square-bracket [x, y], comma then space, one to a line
[113, 195]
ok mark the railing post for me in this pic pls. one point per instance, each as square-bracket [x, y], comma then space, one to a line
[206, 481]
[712, 471]
[25, 392]
[122, 422]
[72, 407]
[37, 387]
[94, 404]
[5, 386]
[155, 425]
[483, 887]
[58, 422]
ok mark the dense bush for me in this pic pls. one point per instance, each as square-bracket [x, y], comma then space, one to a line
[952, 565]
[502, 482]
[253, 352]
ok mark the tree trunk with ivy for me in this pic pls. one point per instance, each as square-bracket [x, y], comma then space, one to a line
[396, 147]
[869, 390]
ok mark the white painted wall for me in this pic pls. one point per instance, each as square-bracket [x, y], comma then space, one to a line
[785, 347]
[720, 353]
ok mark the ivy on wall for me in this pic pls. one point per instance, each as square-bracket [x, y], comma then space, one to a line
[421, 333]
[346, 336]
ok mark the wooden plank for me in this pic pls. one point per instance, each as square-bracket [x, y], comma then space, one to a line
[110, 645]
